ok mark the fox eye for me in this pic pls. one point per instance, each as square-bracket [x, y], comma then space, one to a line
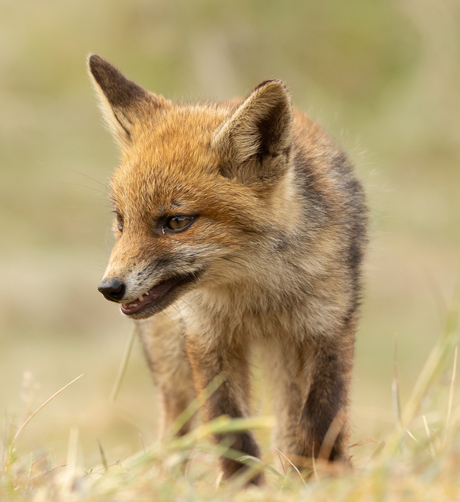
[178, 223]
[119, 222]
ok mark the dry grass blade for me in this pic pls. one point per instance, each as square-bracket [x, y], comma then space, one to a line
[254, 466]
[123, 365]
[364, 441]
[72, 451]
[104, 460]
[313, 461]
[431, 370]
[221, 425]
[293, 466]
[409, 433]
[452, 385]
[330, 437]
[427, 429]
[254, 461]
[195, 405]
[43, 405]
[142, 442]
[281, 463]
[5, 438]
[218, 480]
[436, 359]
[395, 390]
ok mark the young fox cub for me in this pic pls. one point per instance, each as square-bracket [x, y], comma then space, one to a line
[243, 223]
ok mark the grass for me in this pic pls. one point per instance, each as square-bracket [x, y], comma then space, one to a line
[418, 460]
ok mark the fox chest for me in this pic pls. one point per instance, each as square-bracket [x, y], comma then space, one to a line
[241, 324]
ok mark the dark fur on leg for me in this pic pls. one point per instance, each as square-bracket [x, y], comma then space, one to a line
[230, 398]
[324, 427]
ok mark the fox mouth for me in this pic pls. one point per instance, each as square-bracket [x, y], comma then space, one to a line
[158, 297]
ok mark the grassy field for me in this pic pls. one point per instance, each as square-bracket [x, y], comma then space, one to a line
[416, 460]
[383, 78]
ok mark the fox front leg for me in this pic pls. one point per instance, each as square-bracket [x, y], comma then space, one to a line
[162, 340]
[324, 426]
[231, 398]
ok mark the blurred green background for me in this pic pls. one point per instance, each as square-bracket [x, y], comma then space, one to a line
[381, 76]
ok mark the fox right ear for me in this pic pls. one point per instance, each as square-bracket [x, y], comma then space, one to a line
[124, 103]
[260, 129]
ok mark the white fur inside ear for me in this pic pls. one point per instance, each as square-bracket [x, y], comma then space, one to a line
[116, 122]
[122, 101]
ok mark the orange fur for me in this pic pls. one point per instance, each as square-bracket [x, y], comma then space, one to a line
[269, 252]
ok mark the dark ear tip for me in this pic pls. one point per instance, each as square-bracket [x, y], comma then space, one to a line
[271, 82]
[103, 72]
[95, 62]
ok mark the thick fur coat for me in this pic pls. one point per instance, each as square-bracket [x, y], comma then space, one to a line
[237, 223]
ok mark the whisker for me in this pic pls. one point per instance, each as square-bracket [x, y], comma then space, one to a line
[175, 307]
[86, 176]
[80, 185]
[188, 305]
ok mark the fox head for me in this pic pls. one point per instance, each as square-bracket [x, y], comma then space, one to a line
[199, 188]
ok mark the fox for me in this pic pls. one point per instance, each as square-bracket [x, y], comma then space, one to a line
[240, 225]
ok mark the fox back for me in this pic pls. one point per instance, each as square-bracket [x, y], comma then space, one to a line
[244, 222]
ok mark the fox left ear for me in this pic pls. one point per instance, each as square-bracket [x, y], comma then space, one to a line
[259, 130]
[124, 103]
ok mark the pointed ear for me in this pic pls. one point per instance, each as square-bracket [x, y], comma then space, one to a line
[124, 103]
[259, 130]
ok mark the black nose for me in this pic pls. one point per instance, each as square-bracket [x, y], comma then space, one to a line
[112, 289]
